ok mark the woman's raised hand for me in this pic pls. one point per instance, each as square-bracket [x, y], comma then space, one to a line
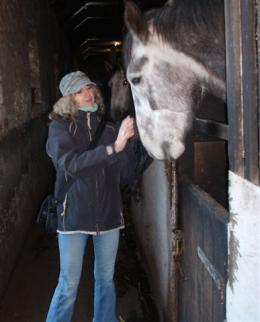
[126, 132]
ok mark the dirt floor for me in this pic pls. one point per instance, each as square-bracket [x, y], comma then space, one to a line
[33, 281]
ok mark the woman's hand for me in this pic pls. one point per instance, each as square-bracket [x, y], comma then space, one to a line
[126, 132]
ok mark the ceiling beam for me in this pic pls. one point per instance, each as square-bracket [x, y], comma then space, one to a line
[95, 3]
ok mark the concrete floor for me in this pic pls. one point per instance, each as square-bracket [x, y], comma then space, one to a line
[34, 278]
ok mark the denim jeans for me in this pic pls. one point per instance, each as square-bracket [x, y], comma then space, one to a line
[72, 249]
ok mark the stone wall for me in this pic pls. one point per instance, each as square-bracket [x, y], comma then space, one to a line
[32, 60]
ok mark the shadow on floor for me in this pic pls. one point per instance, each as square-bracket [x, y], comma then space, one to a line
[34, 278]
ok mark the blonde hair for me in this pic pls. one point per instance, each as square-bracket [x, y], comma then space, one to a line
[66, 107]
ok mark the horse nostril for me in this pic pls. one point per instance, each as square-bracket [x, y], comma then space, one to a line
[136, 80]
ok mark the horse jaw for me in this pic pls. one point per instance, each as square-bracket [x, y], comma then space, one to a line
[162, 132]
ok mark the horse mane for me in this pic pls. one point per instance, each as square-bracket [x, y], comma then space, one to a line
[190, 16]
[195, 27]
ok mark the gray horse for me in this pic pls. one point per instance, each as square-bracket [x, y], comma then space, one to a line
[173, 56]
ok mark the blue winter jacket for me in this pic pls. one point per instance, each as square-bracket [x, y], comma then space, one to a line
[93, 201]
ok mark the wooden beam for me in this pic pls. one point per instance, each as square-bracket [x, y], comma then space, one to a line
[249, 89]
[234, 85]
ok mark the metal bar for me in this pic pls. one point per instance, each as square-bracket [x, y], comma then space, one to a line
[249, 89]
[234, 88]
[210, 128]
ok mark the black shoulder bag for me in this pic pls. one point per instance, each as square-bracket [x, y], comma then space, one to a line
[47, 215]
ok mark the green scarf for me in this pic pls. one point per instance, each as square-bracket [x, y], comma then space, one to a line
[92, 108]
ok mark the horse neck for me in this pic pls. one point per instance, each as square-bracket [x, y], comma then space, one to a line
[195, 28]
[131, 104]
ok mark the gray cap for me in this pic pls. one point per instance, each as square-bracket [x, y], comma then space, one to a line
[73, 82]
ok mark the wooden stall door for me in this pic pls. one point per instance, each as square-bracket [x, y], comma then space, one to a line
[224, 139]
[203, 218]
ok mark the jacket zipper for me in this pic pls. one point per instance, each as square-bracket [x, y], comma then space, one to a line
[97, 223]
[90, 138]
[89, 126]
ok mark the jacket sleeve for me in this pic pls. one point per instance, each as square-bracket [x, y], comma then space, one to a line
[134, 161]
[71, 158]
[128, 162]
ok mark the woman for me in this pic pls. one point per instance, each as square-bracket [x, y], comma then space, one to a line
[92, 204]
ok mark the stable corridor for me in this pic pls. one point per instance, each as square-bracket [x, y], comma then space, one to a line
[32, 282]
[39, 43]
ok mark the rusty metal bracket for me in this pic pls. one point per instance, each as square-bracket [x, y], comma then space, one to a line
[177, 243]
[178, 252]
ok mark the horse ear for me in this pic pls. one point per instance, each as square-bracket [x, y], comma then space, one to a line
[135, 21]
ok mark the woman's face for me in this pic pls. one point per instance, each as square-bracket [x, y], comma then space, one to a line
[85, 96]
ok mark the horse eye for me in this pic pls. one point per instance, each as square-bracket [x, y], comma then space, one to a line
[136, 80]
[125, 82]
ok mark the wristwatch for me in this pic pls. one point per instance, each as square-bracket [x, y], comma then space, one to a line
[110, 149]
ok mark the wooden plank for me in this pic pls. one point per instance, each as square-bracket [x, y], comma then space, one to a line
[258, 62]
[213, 272]
[206, 202]
[204, 223]
[234, 88]
[249, 90]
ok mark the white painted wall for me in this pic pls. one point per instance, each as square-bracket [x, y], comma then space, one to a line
[152, 224]
[243, 289]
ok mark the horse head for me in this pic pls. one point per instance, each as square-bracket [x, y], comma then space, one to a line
[171, 63]
[121, 101]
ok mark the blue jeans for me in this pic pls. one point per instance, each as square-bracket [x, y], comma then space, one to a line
[72, 249]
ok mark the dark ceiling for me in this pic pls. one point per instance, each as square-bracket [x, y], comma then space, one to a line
[94, 27]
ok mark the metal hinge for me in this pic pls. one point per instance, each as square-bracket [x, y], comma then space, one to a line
[177, 243]
[178, 251]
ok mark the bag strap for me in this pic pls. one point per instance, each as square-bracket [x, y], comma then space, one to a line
[91, 145]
